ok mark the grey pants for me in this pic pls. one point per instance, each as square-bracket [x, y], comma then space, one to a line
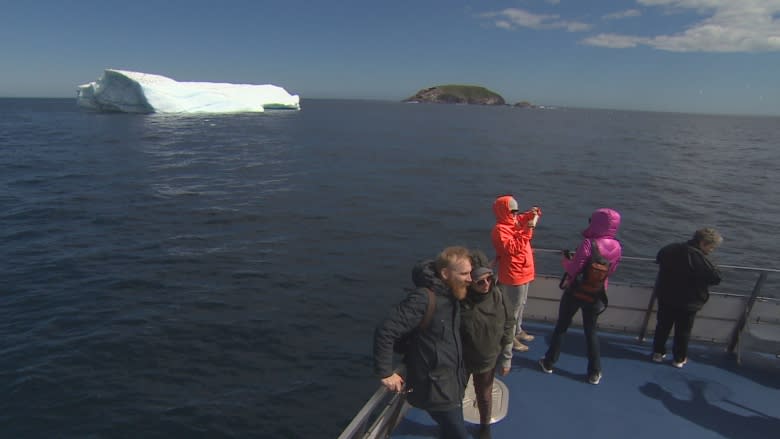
[516, 296]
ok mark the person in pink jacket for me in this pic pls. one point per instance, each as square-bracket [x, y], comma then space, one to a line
[599, 244]
[511, 238]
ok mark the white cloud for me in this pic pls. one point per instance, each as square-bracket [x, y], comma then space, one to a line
[687, 3]
[614, 41]
[728, 26]
[623, 14]
[513, 18]
[503, 24]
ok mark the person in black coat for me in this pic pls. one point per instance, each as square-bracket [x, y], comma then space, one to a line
[435, 376]
[682, 288]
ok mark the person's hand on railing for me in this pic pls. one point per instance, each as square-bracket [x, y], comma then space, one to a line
[393, 383]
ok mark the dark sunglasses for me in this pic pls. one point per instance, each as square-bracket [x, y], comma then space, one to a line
[485, 281]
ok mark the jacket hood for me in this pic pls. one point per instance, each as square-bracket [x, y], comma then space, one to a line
[604, 223]
[424, 276]
[479, 260]
[502, 209]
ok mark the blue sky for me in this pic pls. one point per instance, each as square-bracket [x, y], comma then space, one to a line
[707, 56]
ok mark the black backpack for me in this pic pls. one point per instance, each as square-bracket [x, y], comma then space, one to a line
[401, 346]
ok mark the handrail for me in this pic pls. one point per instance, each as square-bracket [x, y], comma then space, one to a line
[392, 404]
[357, 425]
[645, 259]
[762, 275]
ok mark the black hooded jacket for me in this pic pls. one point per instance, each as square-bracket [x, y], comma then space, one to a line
[434, 364]
[684, 276]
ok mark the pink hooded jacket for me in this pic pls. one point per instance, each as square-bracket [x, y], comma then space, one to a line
[604, 224]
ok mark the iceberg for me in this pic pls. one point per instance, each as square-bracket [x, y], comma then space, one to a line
[135, 92]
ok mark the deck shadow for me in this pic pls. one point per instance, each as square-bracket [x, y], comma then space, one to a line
[700, 411]
[761, 369]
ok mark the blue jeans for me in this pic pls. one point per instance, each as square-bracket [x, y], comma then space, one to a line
[566, 310]
[451, 423]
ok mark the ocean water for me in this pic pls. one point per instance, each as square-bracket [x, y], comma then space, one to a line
[221, 275]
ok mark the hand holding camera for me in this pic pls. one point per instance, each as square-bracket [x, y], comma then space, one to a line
[536, 212]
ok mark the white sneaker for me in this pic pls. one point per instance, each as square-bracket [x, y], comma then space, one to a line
[594, 378]
[658, 358]
[544, 366]
[679, 364]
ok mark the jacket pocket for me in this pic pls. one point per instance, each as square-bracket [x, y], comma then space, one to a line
[444, 387]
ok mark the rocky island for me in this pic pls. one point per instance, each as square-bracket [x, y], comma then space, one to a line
[457, 94]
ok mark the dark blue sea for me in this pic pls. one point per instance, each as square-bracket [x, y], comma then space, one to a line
[220, 276]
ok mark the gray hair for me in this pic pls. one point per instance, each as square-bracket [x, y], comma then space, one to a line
[707, 236]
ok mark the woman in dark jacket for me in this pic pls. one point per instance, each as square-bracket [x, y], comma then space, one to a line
[487, 326]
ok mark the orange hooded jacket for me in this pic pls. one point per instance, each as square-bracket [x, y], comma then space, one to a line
[512, 242]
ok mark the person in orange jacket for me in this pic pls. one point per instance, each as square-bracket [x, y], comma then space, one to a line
[511, 238]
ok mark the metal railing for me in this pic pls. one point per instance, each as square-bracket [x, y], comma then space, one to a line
[755, 294]
[378, 417]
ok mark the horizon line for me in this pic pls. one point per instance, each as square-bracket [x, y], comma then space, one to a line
[538, 107]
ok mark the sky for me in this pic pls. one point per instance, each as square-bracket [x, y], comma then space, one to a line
[699, 56]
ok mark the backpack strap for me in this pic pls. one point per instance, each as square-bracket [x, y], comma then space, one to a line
[594, 249]
[429, 310]
[581, 293]
[581, 274]
[594, 254]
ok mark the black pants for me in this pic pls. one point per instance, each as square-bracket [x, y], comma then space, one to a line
[451, 423]
[682, 320]
[483, 389]
[566, 310]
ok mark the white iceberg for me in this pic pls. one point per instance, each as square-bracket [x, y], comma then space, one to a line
[135, 92]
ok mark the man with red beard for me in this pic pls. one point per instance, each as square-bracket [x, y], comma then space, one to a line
[435, 376]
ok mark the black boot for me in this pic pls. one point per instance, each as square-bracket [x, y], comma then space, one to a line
[484, 431]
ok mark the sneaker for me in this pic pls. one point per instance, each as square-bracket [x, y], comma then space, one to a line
[594, 378]
[519, 347]
[658, 358]
[524, 336]
[546, 368]
[679, 364]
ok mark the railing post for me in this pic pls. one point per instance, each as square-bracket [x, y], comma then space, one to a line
[748, 306]
[648, 313]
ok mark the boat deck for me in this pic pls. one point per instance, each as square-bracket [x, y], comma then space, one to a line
[711, 397]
